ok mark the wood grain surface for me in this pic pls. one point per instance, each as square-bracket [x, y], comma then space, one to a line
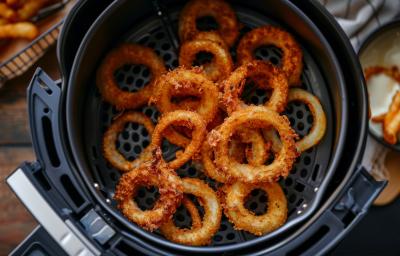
[15, 147]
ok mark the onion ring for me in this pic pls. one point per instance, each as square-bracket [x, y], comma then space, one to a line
[233, 86]
[209, 168]
[233, 198]
[188, 82]
[218, 119]
[211, 221]
[292, 64]
[169, 186]
[319, 119]
[228, 25]
[189, 105]
[191, 82]
[110, 151]
[193, 211]
[255, 117]
[237, 150]
[192, 105]
[272, 137]
[258, 155]
[221, 65]
[318, 128]
[391, 123]
[189, 119]
[212, 36]
[122, 55]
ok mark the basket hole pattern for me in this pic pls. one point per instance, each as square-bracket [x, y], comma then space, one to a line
[132, 78]
[146, 197]
[257, 202]
[132, 140]
[206, 23]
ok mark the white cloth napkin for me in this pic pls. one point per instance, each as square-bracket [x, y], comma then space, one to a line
[359, 18]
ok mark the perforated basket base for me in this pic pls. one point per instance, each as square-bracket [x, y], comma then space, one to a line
[302, 185]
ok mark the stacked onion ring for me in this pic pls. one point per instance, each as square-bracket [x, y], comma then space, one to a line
[240, 146]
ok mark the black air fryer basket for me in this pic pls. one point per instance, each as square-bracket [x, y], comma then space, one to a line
[327, 191]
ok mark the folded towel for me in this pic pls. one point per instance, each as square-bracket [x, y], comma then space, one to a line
[359, 18]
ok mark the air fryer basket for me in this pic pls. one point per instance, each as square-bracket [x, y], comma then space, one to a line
[87, 117]
[301, 185]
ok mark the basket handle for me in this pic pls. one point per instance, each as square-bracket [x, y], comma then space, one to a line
[350, 207]
[44, 106]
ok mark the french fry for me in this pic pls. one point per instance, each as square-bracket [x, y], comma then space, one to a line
[30, 8]
[6, 12]
[13, 2]
[391, 123]
[18, 30]
[378, 118]
[392, 72]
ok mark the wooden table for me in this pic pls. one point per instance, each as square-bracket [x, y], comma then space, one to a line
[15, 147]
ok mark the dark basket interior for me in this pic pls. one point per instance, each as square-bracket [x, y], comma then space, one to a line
[304, 180]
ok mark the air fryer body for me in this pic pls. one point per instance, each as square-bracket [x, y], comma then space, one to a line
[65, 177]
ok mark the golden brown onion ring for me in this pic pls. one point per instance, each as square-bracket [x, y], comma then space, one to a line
[189, 119]
[118, 57]
[192, 83]
[228, 25]
[202, 235]
[193, 211]
[170, 189]
[292, 63]
[272, 137]
[319, 119]
[218, 119]
[111, 153]
[220, 66]
[213, 36]
[318, 128]
[188, 105]
[257, 153]
[255, 117]
[209, 168]
[237, 150]
[391, 123]
[233, 86]
[234, 196]
[192, 104]
[186, 82]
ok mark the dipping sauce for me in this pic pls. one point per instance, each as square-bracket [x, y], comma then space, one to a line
[382, 50]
